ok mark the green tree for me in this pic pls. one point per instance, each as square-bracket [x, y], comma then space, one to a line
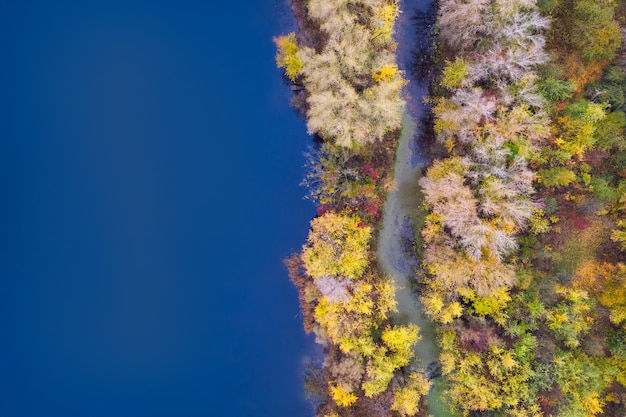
[594, 30]
[557, 177]
[556, 90]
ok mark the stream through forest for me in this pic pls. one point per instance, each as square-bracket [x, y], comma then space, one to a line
[397, 243]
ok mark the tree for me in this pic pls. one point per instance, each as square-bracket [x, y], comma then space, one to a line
[384, 18]
[342, 398]
[332, 174]
[397, 353]
[594, 31]
[614, 294]
[580, 380]
[337, 245]
[462, 22]
[353, 90]
[619, 234]
[287, 56]
[571, 318]
[454, 73]
[556, 90]
[497, 379]
[406, 400]
[557, 177]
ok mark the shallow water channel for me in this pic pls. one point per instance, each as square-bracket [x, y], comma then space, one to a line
[396, 245]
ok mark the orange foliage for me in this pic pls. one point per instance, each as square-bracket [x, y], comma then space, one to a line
[591, 276]
[582, 74]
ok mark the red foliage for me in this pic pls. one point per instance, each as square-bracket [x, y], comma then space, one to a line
[370, 171]
[372, 207]
[323, 209]
[579, 223]
[561, 105]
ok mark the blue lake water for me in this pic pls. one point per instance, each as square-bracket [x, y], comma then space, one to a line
[149, 170]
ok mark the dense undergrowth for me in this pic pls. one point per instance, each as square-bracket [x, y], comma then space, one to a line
[523, 265]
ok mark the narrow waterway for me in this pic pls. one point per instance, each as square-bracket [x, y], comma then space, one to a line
[397, 246]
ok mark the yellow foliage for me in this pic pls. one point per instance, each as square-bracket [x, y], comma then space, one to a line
[361, 302]
[341, 397]
[436, 308]
[401, 340]
[590, 276]
[384, 361]
[619, 234]
[614, 294]
[433, 226]
[449, 144]
[287, 56]
[483, 381]
[345, 319]
[447, 362]
[582, 74]
[592, 404]
[442, 168]
[386, 298]
[454, 73]
[386, 16]
[406, 400]
[570, 318]
[385, 73]
[337, 245]
[456, 271]
[538, 222]
[364, 345]
[491, 304]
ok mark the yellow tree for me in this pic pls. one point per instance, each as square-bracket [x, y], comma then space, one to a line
[614, 294]
[287, 56]
[406, 400]
[337, 246]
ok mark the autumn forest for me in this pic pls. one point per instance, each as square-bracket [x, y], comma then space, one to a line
[521, 239]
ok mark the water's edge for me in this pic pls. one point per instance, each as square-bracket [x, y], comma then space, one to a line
[396, 251]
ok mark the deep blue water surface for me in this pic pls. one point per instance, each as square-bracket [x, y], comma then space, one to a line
[149, 169]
